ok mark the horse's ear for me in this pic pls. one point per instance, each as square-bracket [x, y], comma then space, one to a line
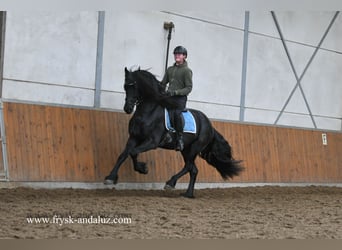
[126, 70]
[139, 68]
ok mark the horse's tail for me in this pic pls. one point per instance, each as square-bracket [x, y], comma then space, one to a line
[219, 154]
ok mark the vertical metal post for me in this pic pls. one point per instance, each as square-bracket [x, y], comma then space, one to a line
[2, 123]
[3, 144]
[2, 45]
[168, 26]
[99, 57]
[244, 67]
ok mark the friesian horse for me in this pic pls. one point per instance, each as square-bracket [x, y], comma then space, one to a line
[147, 131]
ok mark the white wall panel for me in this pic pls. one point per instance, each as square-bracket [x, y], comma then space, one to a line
[44, 93]
[328, 123]
[132, 38]
[261, 22]
[305, 27]
[323, 84]
[300, 55]
[215, 111]
[112, 100]
[228, 18]
[333, 41]
[296, 120]
[51, 47]
[260, 116]
[269, 75]
[297, 103]
[216, 68]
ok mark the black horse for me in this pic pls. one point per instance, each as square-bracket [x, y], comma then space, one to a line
[147, 131]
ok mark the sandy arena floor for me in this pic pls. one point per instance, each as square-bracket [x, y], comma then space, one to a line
[232, 213]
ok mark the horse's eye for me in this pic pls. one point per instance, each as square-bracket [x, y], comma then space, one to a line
[130, 83]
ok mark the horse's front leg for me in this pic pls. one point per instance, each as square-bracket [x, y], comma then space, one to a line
[140, 167]
[146, 145]
[112, 178]
[133, 150]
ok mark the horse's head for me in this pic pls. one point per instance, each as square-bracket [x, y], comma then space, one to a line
[142, 85]
[131, 90]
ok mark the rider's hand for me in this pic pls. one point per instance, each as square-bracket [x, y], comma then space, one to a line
[171, 92]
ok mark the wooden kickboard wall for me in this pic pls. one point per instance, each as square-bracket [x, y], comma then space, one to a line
[47, 143]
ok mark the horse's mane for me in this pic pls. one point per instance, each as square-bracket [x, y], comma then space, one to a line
[152, 88]
[149, 81]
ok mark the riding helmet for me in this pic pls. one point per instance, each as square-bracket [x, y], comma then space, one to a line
[180, 50]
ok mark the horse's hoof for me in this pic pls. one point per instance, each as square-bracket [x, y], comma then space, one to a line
[108, 182]
[168, 187]
[141, 168]
[186, 195]
[111, 181]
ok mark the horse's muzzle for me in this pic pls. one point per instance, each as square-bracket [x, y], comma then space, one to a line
[128, 108]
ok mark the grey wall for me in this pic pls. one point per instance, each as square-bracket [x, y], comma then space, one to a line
[270, 79]
[50, 57]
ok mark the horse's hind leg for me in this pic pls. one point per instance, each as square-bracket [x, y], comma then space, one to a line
[191, 168]
[193, 174]
[189, 158]
[170, 184]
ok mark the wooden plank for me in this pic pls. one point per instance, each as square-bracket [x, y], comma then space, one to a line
[67, 143]
[2, 167]
[49, 144]
[82, 146]
[33, 143]
[100, 151]
[10, 127]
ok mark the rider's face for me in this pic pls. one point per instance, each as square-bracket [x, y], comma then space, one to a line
[179, 58]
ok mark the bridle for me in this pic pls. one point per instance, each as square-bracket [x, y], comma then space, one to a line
[136, 98]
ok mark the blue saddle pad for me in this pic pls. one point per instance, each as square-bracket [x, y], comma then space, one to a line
[189, 122]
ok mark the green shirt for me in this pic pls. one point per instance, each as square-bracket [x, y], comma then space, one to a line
[179, 78]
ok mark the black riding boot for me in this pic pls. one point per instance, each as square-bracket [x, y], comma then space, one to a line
[180, 143]
[178, 121]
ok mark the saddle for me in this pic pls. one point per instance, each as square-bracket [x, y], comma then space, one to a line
[189, 123]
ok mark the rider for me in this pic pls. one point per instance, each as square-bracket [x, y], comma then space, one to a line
[179, 77]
